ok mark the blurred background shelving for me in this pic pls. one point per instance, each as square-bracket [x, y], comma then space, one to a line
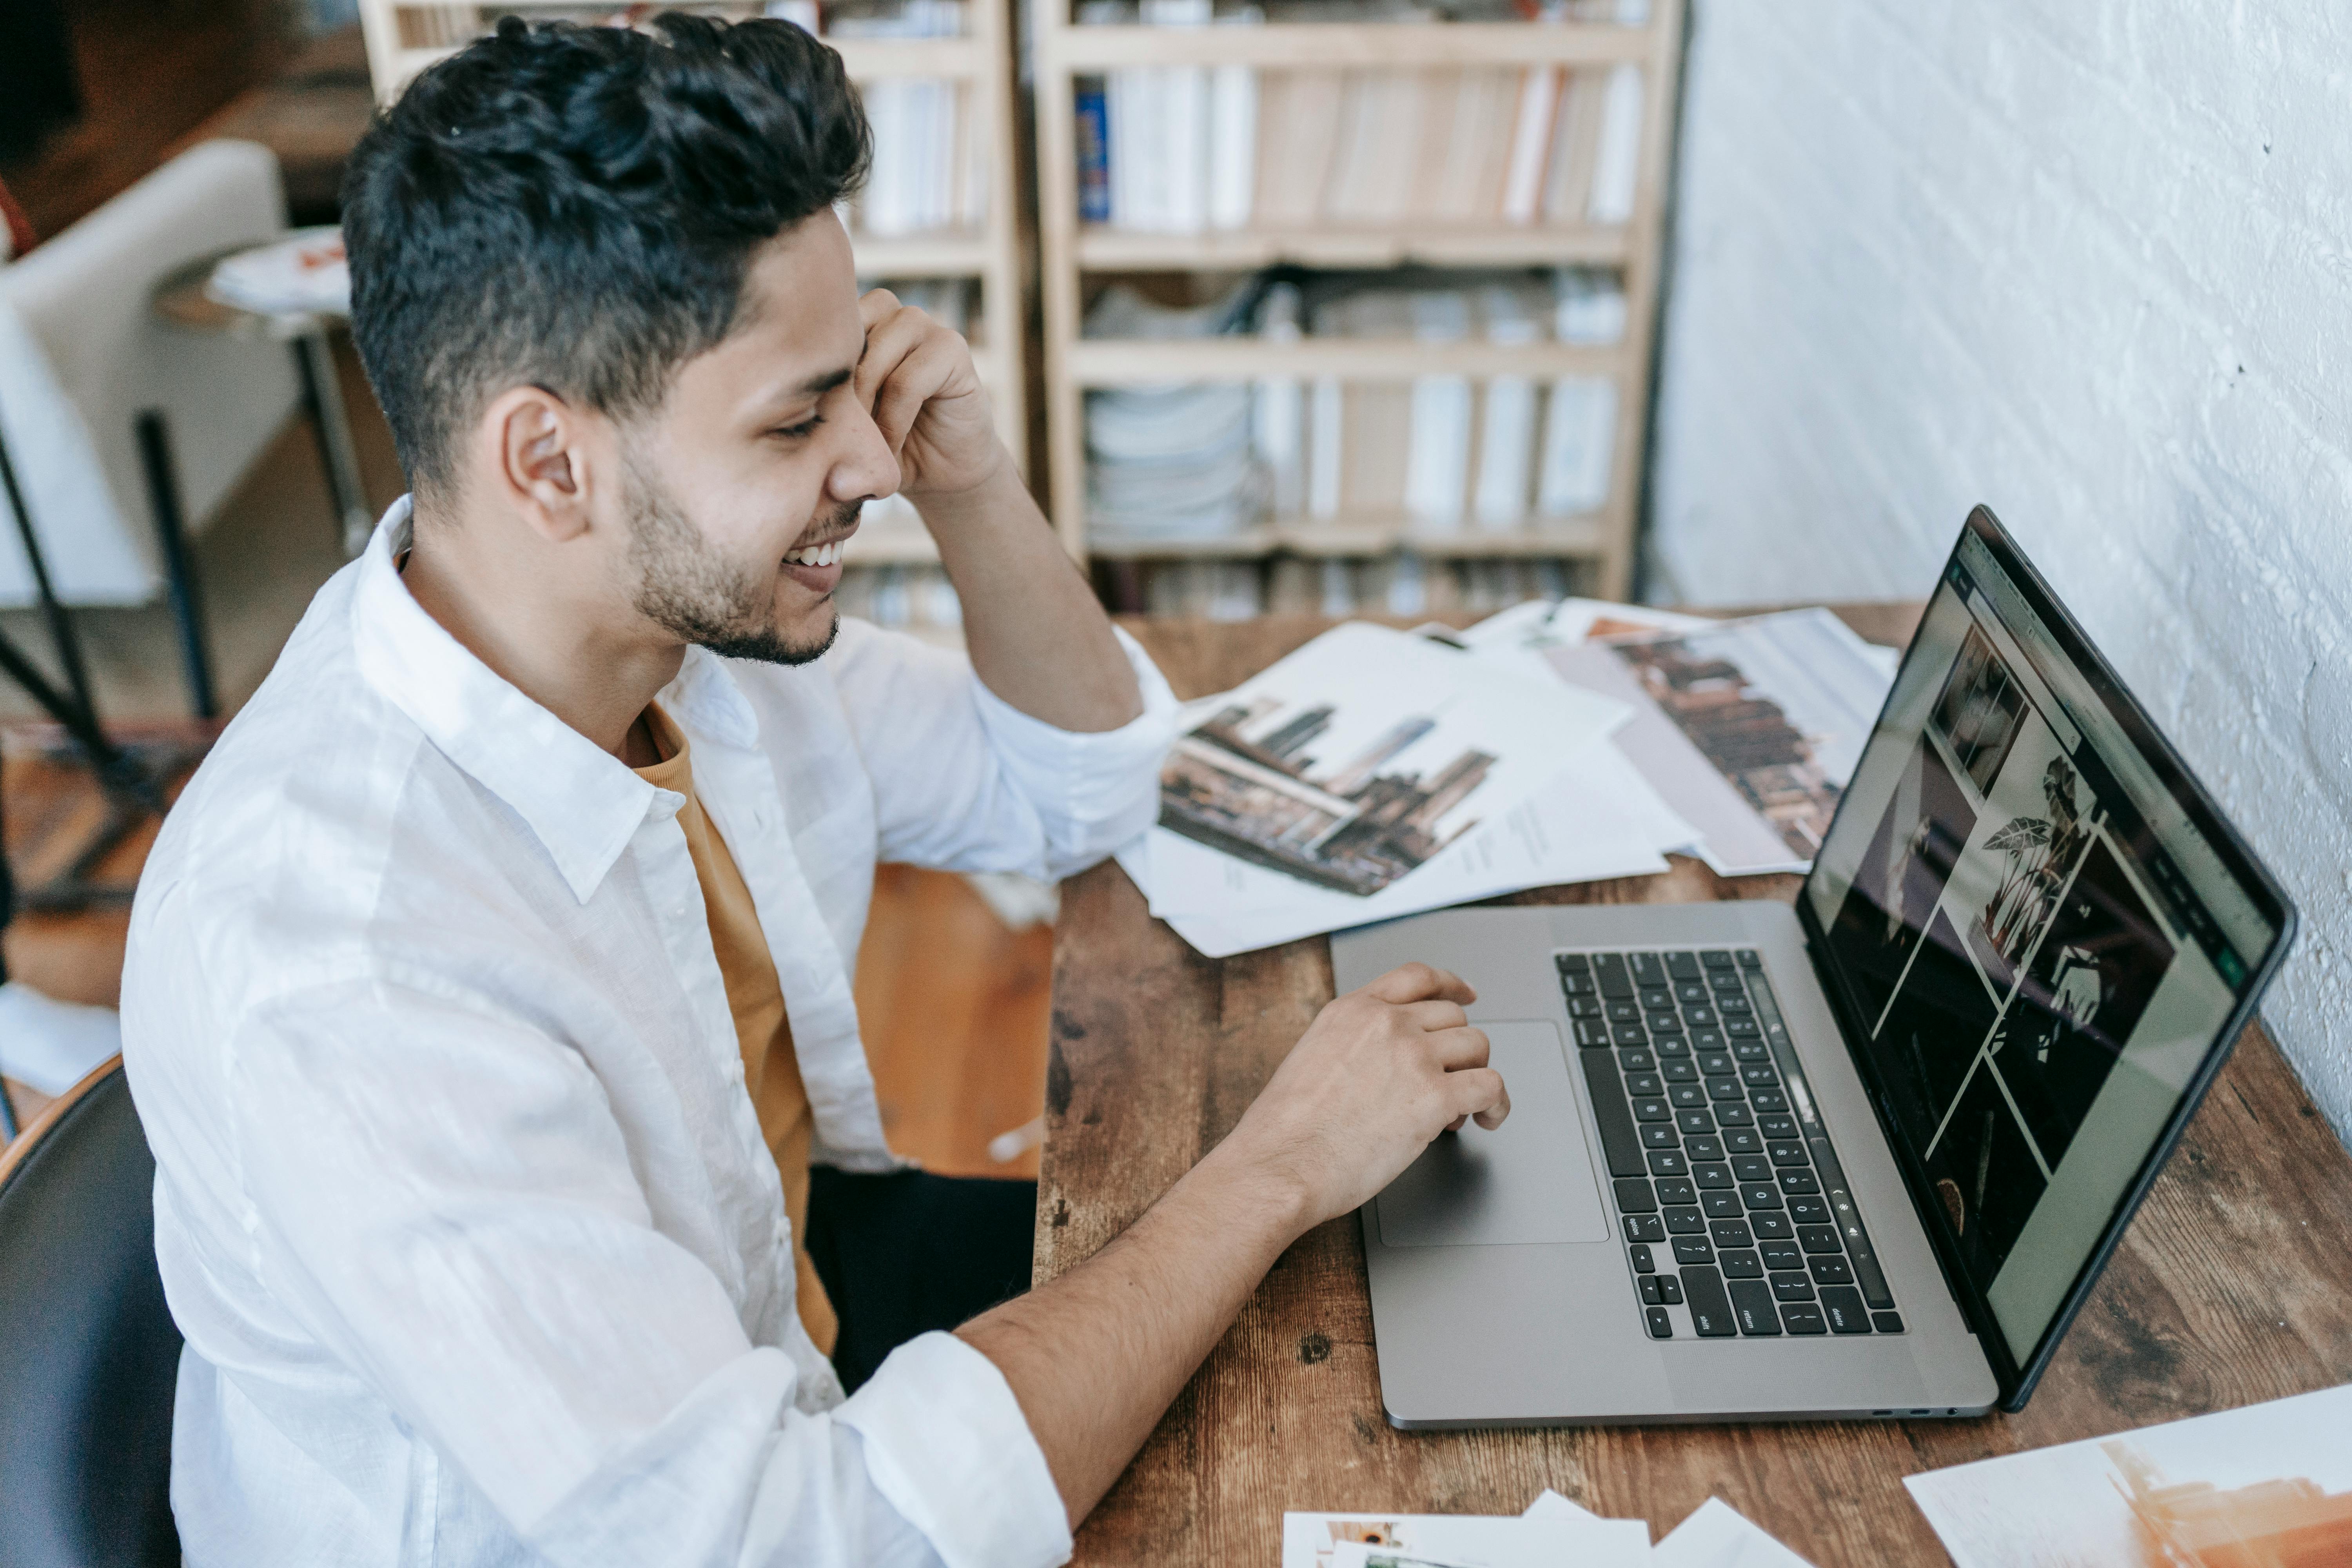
[1348, 303]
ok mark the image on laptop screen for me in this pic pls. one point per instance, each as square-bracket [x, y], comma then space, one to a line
[2040, 944]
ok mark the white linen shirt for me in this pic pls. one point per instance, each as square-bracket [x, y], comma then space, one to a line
[460, 1201]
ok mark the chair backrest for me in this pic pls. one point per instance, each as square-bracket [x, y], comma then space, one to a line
[89, 1355]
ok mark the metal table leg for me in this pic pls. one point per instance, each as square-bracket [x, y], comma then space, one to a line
[322, 397]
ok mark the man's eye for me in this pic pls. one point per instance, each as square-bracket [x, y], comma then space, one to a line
[805, 427]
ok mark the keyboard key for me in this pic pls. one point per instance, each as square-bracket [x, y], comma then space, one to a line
[1642, 1261]
[1790, 1287]
[1650, 1295]
[1706, 1146]
[1759, 1194]
[1665, 1024]
[1684, 1222]
[1698, 1122]
[1744, 1141]
[1657, 1109]
[1844, 1310]
[1780, 1253]
[1656, 999]
[1643, 1227]
[1729, 1233]
[1711, 1175]
[1886, 1322]
[1709, 1040]
[1659, 1135]
[1619, 1142]
[1752, 1051]
[1764, 1222]
[1579, 961]
[1793, 1181]
[1726, 982]
[1661, 1321]
[1695, 1249]
[1740, 1028]
[1778, 1125]
[1678, 1071]
[1872, 1279]
[1751, 1303]
[1692, 992]
[1671, 1045]
[1711, 1309]
[1724, 1088]
[1591, 1032]
[1609, 969]
[1736, 1007]
[1818, 1239]
[1759, 1075]
[1716, 1064]
[1677, 1190]
[1683, 965]
[1624, 1012]
[1587, 1008]
[1831, 1272]
[1670, 1290]
[1628, 1034]
[1782, 1153]
[1733, 1113]
[1768, 1100]
[1809, 1211]
[1668, 1162]
[1699, 1014]
[1686, 1095]
[1640, 1083]
[1741, 1264]
[1578, 985]
[1721, 1205]
[1752, 1167]
[1750, 959]
[1633, 1196]
[1802, 1318]
[1648, 968]
[1716, 959]
[1637, 1059]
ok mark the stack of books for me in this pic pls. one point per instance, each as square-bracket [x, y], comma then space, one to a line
[1171, 462]
[1192, 149]
[930, 151]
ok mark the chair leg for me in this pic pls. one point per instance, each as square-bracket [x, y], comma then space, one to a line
[179, 564]
[330, 424]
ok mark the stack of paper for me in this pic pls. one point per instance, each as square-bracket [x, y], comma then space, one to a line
[1554, 1532]
[1170, 462]
[304, 272]
[1375, 774]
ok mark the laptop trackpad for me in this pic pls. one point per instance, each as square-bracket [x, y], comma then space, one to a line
[1528, 1182]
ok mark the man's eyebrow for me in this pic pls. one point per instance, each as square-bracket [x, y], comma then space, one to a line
[818, 385]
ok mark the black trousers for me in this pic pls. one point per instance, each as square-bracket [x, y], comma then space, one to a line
[907, 1252]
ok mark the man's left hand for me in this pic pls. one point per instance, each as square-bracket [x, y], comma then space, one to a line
[917, 378]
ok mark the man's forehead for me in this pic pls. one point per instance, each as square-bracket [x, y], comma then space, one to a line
[796, 328]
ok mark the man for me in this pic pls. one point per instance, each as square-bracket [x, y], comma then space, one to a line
[489, 990]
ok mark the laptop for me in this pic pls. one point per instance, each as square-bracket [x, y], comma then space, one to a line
[1861, 1157]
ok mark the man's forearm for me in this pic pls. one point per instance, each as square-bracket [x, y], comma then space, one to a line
[1097, 1355]
[1034, 630]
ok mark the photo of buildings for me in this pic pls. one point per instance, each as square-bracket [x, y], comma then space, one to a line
[1247, 782]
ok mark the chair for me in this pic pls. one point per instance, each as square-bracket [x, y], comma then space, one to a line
[89, 1355]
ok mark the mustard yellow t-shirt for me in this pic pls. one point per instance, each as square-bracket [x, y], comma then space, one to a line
[771, 1068]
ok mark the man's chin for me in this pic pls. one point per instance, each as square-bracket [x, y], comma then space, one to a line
[773, 647]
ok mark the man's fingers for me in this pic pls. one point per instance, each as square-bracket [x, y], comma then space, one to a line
[1419, 982]
[1478, 1093]
[874, 305]
[1459, 1047]
[919, 377]
[1434, 1014]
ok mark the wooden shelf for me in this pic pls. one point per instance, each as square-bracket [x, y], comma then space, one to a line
[1115, 361]
[1329, 46]
[872, 59]
[948, 254]
[899, 541]
[1537, 539]
[1100, 248]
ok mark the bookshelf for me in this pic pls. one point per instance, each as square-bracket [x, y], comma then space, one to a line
[1078, 258]
[405, 36]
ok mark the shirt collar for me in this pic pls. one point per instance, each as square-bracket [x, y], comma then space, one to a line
[584, 804]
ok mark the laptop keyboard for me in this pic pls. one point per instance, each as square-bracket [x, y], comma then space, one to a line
[1736, 1216]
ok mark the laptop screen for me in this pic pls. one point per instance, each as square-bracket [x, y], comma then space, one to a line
[2042, 944]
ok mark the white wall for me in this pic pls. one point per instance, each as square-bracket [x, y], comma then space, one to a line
[2089, 263]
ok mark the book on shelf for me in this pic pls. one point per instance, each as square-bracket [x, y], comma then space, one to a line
[1198, 149]
[930, 166]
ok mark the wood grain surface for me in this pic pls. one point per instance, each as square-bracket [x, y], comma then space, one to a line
[2233, 1285]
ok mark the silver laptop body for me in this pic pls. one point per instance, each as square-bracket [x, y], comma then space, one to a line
[1910, 1246]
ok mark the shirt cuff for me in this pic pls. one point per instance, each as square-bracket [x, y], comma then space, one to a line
[947, 1444]
[1096, 791]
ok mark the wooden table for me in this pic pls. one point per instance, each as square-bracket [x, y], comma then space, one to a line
[2234, 1284]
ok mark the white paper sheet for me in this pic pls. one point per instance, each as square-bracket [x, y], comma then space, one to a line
[1567, 1539]
[1718, 1535]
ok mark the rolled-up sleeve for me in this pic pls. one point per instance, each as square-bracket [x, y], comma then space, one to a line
[964, 780]
[443, 1197]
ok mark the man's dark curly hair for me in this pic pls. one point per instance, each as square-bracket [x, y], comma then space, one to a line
[575, 207]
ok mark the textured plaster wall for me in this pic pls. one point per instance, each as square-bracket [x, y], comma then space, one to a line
[2091, 264]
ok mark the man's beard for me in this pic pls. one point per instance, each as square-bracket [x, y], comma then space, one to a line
[686, 587]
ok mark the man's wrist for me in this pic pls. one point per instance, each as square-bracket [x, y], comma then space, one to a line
[1267, 1185]
[927, 499]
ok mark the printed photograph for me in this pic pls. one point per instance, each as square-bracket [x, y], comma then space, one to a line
[1903, 873]
[1254, 781]
[1979, 709]
[2269, 1486]
[1933, 1031]
[1985, 1172]
[2084, 994]
[2031, 829]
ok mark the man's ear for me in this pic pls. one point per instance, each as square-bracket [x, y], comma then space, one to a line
[537, 445]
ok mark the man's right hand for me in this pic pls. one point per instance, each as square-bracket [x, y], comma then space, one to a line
[1380, 1073]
